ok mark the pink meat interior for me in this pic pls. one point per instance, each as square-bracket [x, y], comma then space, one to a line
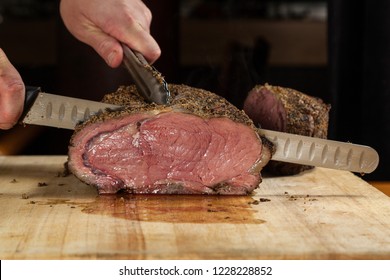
[265, 109]
[145, 150]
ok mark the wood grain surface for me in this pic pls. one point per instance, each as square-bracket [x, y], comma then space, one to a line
[321, 214]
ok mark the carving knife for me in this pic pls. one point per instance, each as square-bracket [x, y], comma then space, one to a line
[65, 112]
[327, 153]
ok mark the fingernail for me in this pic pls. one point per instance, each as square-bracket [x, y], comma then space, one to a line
[111, 57]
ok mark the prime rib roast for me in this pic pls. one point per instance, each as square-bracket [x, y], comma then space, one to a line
[287, 110]
[198, 144]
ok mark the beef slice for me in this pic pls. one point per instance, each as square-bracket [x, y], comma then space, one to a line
[197, 144]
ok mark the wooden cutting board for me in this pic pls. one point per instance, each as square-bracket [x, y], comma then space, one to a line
[321, 214]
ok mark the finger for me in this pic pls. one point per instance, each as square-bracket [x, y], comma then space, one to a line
[11, 104]
[139, 39]
[11, 93]
[105, 45]
[135, 37]
[141, 14]
[132, 27]
[148, 47]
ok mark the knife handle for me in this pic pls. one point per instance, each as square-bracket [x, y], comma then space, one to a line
[30, 96]
[31, 93]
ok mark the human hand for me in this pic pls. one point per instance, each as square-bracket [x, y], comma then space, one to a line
[11, 93]
[103, 24]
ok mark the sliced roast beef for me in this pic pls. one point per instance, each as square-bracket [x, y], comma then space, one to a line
[287, 110]
[198, 144]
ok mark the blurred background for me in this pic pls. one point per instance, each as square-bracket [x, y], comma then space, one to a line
[337, 50]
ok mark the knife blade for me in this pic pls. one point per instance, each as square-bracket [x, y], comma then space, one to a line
[65, 112]
[149, 82]
[320, 152]
[52, 110]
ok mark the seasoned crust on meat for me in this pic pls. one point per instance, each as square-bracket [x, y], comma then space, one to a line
[287, 110]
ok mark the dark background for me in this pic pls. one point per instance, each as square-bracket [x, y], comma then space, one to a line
[335, 50]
